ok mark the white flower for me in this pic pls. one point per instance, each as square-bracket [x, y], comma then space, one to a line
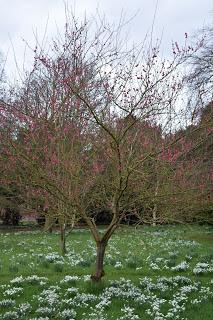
[202, 267]
[45, 311]
[67, 314]
[69, 279]
[118, 265]
[7, 303]
[10, 315]
[181, 266]
[16, 291]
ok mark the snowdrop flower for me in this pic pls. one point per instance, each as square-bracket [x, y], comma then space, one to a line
[11, 315]
[16, 291]
[7, 303]
[67, 314]
[118, 265]
[181, 266]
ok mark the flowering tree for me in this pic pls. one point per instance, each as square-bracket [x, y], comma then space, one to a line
[81, 115]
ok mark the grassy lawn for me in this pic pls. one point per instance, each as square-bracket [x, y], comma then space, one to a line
[151, 273]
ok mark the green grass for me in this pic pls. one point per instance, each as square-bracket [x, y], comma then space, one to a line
[132, 254]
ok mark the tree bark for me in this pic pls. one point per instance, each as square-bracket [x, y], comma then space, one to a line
[63, 240]
[99, 269]
[154, 212]
[48, 226]
[154, 216]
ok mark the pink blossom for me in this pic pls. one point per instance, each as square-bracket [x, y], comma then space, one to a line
[54, 159]
[97, 167]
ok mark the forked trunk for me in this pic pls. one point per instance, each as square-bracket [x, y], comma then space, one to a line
[48, 226]
[99, 269]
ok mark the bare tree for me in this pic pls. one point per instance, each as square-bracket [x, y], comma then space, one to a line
[199, 80]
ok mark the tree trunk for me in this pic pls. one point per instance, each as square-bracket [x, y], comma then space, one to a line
[63, 240]
[154, 216]
[48, 224]
[99, 270]
[154, 212]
